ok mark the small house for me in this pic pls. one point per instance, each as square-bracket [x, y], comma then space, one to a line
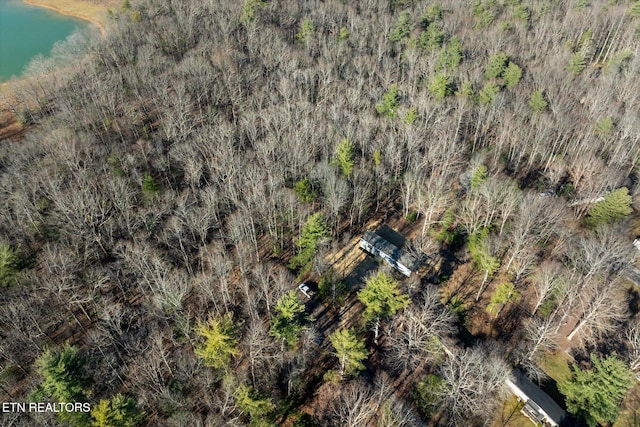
[376, 245]
[538, 406]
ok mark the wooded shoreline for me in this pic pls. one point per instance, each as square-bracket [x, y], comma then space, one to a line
[94, 14]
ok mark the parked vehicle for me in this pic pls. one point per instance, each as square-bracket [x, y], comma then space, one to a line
[305, 290]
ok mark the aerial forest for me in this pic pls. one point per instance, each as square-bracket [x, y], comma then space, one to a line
[181, 173]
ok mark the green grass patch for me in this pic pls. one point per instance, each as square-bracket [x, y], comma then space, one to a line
[556, 366]
[510, 415]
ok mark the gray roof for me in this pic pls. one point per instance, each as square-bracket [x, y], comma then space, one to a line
[391, 250]
[539, 397]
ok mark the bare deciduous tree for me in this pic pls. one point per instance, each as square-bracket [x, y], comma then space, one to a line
[633, 337]
[475, 382]
[395, 412]
[356, 404]
[434, 196]
[261, 350]
[539, 336]
[547, 279]
[602, 307]
[424, 328]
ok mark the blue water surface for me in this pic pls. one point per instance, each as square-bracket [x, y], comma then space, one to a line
[27, 31]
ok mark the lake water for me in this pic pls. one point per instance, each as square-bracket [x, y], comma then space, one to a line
[26, 31]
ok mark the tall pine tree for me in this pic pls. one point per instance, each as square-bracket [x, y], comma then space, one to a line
[594, 395]
[382, 298]
[350, 350]
[220, 344]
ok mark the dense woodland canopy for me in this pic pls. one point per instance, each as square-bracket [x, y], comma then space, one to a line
[182, 173]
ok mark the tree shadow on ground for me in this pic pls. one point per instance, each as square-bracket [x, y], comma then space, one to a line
[360, 272]
[508, 322]
[448, 265]
[633, 296]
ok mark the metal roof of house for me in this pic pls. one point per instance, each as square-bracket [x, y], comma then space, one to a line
[391, 250]
[537, 396]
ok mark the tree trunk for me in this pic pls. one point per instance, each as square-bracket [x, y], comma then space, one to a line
[577, 328]
[486, 275]
[376, 330]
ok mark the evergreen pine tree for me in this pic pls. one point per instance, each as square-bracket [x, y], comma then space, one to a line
[615, 206]
[351, 351]
[537, 102]
[220, 344]
[382, 298]
[594, 395]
